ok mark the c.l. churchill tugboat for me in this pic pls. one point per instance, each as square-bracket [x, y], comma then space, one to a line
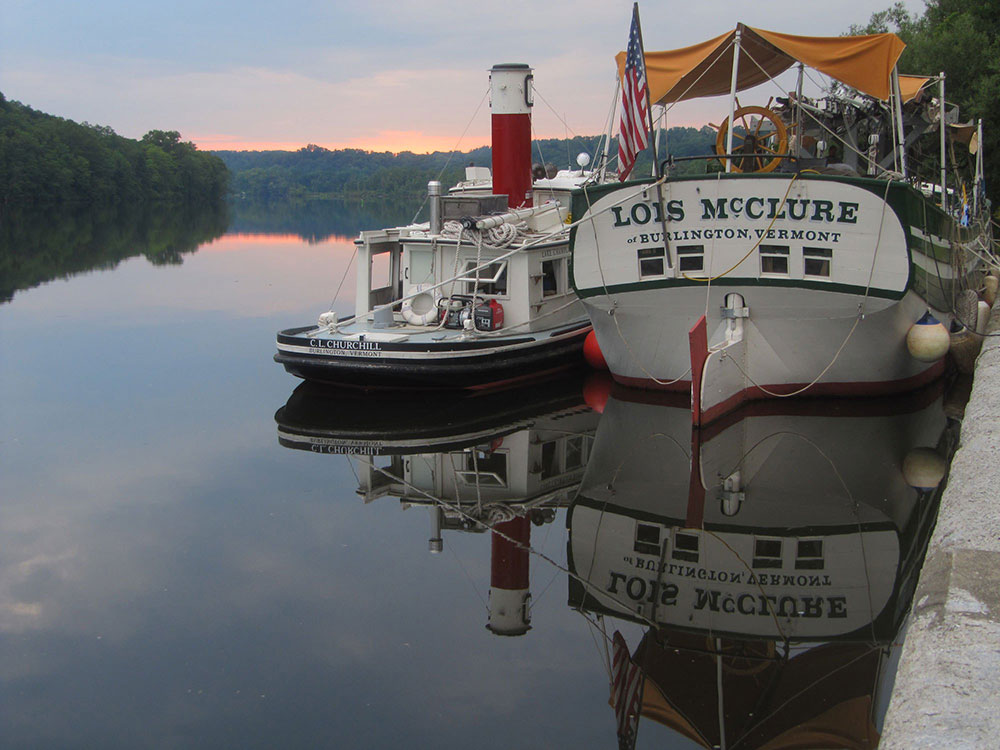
[815, 262]
[477, 296]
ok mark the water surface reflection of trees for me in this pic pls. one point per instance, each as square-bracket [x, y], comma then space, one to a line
[40, 245]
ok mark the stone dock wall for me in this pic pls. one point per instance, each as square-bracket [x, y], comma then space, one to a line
[947, 691]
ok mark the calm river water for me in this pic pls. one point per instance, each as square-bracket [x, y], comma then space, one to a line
[196, 551]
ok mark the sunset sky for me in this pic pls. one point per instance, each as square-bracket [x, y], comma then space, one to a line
[378, 75]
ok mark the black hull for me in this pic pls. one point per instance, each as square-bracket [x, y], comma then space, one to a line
[445, 373]
[405, 423]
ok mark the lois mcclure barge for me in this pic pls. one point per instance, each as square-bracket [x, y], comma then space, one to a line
[791, 272]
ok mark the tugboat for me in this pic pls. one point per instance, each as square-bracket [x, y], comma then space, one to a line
[477, 296]
[500, 461]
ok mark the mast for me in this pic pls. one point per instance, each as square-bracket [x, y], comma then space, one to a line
[732, 98]
[652, 127]
[798, 113]
[978, 184]
[944, 170]
[900, 138]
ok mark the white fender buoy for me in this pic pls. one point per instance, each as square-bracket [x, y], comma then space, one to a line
[420, 310]
[924, 468]
[982, 317]
[990, 284]
[928, 340]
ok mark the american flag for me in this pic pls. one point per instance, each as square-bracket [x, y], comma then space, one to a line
[626, 692]
[633, 129]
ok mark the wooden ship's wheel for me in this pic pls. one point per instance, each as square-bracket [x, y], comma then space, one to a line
[762, 144]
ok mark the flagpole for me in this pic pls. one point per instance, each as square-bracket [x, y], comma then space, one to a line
[656, 163]
[645, 75]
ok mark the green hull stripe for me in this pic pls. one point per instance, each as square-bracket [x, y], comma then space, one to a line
[910, 206]
[729, 281]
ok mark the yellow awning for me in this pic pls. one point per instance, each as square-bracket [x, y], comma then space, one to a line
[910, 86]
[863, 62]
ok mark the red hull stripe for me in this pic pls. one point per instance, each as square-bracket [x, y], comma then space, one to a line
[857, 388]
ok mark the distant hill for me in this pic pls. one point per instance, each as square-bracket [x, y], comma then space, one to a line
[316, 172]
[46, 159]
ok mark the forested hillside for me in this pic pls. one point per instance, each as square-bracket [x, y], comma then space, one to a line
[48, 160]
[314, 171]
[962, 39]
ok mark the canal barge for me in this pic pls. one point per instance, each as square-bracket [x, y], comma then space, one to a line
[814, 261]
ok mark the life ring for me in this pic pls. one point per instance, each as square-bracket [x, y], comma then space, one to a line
[420, 310]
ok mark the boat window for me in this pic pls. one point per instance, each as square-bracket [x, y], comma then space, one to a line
[766, 553]
[381, 270]
[774, 259]
[817, 261]
[809, 554]
[484, 468]
[550, 460]
[691, 257]
[650, 261]
[553, 273]
[574, 453]
[647, 539]
[492, 279]
[685, 547]
[391, 469]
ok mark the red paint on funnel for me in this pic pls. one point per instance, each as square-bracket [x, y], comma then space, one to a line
[509, 561]
[510, 101]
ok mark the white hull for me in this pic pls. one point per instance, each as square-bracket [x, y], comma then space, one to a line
[810, 285]
[665, 536]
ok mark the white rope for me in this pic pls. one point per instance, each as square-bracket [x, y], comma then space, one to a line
[607, 294]
[809, 114]
[546, 237]
[454, 150]
[343, 278]
[857, 320]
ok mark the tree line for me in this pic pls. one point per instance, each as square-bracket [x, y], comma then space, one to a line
[47, 160]
[962, 39]
[317, 172]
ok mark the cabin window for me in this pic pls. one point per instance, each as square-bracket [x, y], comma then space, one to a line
[766, 553]
[817, 261]
[550, 460]
[553, 275]
[691, 257]
[484, 468]
[574, 453]
[809, 554]
[651, 262]
[774, 259]
[685, 547]
[647, 539]
[492, 278]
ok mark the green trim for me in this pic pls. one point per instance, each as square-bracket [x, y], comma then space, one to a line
[824, 286]
[911, 208]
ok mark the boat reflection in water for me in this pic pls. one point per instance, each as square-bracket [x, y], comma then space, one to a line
[498, 461]
[771, 559]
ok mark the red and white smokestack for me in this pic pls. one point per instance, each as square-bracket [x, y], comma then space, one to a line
[511, 99]
[509, 592]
